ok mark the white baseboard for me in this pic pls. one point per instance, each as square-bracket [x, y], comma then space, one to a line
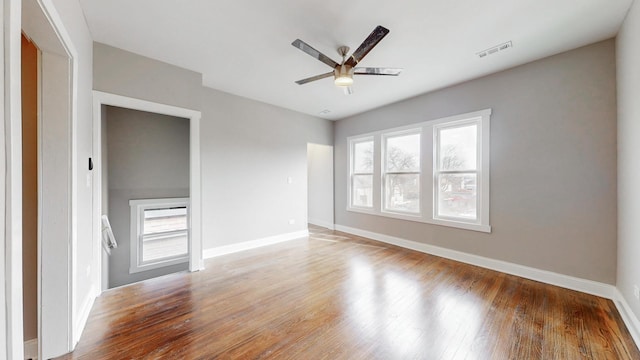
[31, 349]
[632, 322]
[544, 276]
[565, 281]
[321, 223]
[252, 244]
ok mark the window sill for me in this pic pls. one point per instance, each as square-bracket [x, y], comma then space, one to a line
[158, 264]
[417, 218]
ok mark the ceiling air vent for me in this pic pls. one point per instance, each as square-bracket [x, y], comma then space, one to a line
[495, 49]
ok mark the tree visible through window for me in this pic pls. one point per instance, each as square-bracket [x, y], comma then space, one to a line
[402, 173]
[387, 176]
[457, 172]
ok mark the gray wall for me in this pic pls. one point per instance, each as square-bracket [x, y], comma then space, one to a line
[124, 73]
[148, 158]
[248, 148]
[553, 163]
[628, 46]
[248, 151]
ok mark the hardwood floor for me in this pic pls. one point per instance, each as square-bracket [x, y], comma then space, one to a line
[337, 296]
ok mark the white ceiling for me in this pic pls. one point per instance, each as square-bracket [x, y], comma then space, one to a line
[244, 46]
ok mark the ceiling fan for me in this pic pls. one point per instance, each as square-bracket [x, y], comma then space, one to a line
[343, 72]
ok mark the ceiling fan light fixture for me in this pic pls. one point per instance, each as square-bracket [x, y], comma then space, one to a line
[343, 76]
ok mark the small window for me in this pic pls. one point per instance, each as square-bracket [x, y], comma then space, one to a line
[159, 233]
[401, 178]
[362, 173]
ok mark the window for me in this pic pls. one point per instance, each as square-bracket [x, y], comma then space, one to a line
[387, 179]
[456, 171]
[159, 233]
[361, 183]
[401, 178]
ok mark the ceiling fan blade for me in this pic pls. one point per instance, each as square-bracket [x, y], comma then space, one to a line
[369, 43]
[377, 71]
[315, 53]
[314, 78]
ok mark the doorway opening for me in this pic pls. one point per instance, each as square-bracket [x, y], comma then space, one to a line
[101, 177]
[56, 184]
[320, 186]
[145, 194]
[29, 62]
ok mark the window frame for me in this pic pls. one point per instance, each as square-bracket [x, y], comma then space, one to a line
[352, 173]
[384, 172]
[428, 162]
[137, 208]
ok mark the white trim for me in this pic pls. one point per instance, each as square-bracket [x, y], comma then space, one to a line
[632, 322]
[137, 207]
[428, 131]
[253, 244]
[353, 141]
[548, 277]
[321, 223]
[84, 311]
[12, 342]
[54, 20]
[100, 98]
[31, 349]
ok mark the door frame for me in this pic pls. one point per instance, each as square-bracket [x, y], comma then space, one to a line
[57, 273]
[11, 338]
[100, 98]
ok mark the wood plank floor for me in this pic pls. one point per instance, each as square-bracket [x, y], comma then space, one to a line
[337, 296]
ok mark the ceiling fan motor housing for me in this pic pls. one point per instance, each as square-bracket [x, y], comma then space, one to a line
[343, 75]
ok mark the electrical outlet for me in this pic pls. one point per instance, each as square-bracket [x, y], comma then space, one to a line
[636, 292]
[292, 221]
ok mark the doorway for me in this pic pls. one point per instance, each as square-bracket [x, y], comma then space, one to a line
[145, 193]
[100, 99]
[56, 183]
[320, 185]
[29, 60]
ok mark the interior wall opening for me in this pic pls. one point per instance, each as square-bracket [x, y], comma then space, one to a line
[320, 185]
[145, 194]
[29, 62]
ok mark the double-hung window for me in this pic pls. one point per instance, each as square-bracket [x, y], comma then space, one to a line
[401, 176]
[434, 172]
[361, 182]
[159, 233]
[456, 171]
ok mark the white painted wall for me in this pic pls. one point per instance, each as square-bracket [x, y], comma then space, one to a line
[628, 80]
[320, 185]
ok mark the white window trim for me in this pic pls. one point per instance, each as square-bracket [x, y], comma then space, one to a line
[427, 197]
[352, 143]
[137, 207]
[383, 167]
